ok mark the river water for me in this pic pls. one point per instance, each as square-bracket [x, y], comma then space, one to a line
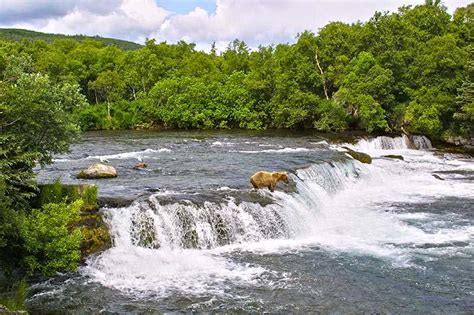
[342, 237]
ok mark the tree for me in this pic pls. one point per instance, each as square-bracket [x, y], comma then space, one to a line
[108, 86]
[465, 100]
[35, 123]
[365, 92]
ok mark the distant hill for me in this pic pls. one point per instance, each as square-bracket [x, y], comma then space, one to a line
[15, 34]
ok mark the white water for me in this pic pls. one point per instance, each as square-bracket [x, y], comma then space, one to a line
[284, 150]
[147, 153]
[398, 143]
[343, 207]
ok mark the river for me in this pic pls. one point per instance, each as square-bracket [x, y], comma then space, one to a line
[342, 237]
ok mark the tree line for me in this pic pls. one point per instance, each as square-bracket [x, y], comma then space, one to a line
[408, 70]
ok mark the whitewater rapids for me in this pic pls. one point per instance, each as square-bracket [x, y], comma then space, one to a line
[188, 245]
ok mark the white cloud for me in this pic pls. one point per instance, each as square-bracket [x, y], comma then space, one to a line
[255, 21]
[126, 19]
[271, 21]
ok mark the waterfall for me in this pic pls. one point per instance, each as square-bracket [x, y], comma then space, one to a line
[189, 224]
[178, 241]
[398, 143]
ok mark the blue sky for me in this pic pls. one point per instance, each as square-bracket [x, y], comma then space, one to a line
[200, 21]
[185, 6]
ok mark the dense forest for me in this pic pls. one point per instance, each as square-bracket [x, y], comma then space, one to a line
[16, 34]
[409, 71]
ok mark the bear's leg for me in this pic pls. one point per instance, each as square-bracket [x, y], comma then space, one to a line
[272, 187]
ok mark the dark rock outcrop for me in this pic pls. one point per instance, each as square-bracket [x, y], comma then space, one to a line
[359, 156]
[394, 156]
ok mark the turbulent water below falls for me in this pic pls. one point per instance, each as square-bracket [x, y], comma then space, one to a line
[341, 237]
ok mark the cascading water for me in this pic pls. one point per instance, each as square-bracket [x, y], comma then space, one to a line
[398, 143]
[339, 205]
[339, 225]
[206, 225]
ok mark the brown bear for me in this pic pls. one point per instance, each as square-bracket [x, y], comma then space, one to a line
[268, 179]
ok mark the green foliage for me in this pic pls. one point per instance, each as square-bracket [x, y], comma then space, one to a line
[50, 245]
[379, 75]
[58, 192]
[35, 112]
[14, 298]
[332, 116]
[12, 34]
[465, 100]
[425, 113]
[35, 123]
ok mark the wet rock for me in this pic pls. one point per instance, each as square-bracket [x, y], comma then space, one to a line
[189, 235]
[140, 166]
[95, 234]
[460, 141]
[116, 202]
[437, 177]
[143, 231]
[98, 171]
[222, 232]
[394, 156]
[359, 156]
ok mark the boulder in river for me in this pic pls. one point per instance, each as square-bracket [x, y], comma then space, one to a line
[97, 171]
[359, 156]
[140, 166]
[394, 156]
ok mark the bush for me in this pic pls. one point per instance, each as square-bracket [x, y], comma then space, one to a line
[49, 244]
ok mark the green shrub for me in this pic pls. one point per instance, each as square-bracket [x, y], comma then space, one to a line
[49, 243]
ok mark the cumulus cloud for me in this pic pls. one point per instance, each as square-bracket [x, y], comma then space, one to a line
[23, 11]
[271, 21]
[255, 21]
[126, 19]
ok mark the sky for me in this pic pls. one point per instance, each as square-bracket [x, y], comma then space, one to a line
[200, 21]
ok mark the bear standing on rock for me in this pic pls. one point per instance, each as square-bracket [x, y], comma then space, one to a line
[268, 179]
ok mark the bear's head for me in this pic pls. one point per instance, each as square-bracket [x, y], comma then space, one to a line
[283, 176]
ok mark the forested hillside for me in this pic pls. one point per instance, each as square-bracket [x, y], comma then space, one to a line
[15, 34]
[411, 70]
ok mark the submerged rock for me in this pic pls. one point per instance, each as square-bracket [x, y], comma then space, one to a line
[140, 166]
[359, 156]
[394, 156]
[97, 171]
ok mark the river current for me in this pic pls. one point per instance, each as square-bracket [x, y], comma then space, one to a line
[395, 236]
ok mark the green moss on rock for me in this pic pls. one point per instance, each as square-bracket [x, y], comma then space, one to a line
[359, 156]
[57, 192]
[95, 234]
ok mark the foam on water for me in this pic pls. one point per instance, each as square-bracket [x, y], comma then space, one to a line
[129, 155]
[284, 150]
[120, 156]
[343, 207]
